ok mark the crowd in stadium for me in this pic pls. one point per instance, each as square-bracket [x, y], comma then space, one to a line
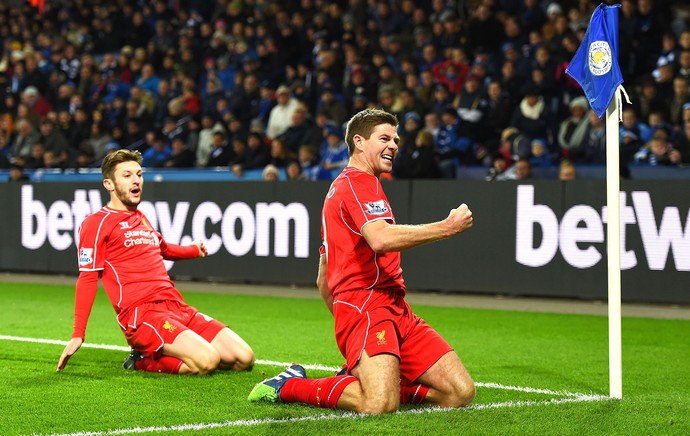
[269, 85]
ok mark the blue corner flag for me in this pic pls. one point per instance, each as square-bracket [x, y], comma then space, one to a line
[595, 64]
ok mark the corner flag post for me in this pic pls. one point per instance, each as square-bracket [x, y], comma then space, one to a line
[595, 68]
[613, 249]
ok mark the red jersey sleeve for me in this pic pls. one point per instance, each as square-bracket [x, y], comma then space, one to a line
[366, 202]
[178, 252]
[87, 286]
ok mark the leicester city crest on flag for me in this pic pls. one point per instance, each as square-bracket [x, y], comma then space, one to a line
[595, 64]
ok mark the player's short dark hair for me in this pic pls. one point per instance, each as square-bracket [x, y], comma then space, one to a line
[364, 122]
[111, 160]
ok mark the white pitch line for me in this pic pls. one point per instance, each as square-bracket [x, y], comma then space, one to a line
[566, 397]
[329, 417]
[306, 366]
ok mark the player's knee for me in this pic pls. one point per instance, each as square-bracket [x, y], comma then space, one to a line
[207, 363]
[245, 360]
[462, 395]
[377, 406]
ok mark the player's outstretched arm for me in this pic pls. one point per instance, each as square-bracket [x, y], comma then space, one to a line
[72, 346]
[181, 252]
[384, 237]
[86, 288]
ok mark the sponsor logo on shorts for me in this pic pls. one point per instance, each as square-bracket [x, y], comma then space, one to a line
[85, 256]
[381, 336]
[375, 207]
[169, 327]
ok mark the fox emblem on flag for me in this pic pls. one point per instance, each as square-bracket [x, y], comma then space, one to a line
[595, 64]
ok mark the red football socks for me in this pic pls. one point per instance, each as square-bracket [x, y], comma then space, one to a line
[166, 364]
[412, 393]
[319, 392]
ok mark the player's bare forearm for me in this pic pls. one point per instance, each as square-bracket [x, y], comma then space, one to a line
[384, 237]
[322, 284]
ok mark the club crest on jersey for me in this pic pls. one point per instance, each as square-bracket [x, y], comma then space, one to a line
[169, 327]
[375, 207]
[85, 256]
[381, 336]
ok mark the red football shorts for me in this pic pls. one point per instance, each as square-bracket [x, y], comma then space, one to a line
[151, 325]
[382, 322]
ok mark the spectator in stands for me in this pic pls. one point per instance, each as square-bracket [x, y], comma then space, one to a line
[38, 104]
[681, 96]
[302, 131]
[533, 118]
[332, 105]
[244, 102]
[521, 170]
[256, 155]
[24, 139]
[35, 159]
[156, 156]
[498, 112]
[682, 142]
[471, 107]
[280, 153]
[566, 170]
[271, 173]
[16, 173]
[572, 130]
[451, 148]
[209, 125]
[499, 165]
[334, 153]
[280, 117]
[453, 71]
[53, 140]
[221, 152]
[181, 156]
[592, 149]
[417, 160]
[309, 162]
[410, 126]
[657, 152]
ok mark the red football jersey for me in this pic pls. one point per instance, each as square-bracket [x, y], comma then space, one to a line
[129, 252]
[355, 199]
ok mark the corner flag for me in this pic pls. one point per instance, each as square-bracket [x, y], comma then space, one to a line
[595, 68]
[595, 64]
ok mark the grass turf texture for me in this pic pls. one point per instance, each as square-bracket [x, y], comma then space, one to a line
[548, 351]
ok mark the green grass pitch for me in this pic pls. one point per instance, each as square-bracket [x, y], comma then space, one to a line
[537, 373]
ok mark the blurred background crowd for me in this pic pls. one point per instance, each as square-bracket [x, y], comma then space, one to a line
[269, 85]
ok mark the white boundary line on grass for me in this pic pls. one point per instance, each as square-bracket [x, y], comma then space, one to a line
[566, 397]
[327, 417]
[306, 366]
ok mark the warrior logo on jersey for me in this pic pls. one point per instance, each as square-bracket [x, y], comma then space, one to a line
[124, 225]
[85, 256]
[375, 207]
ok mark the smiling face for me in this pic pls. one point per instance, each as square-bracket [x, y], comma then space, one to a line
[125, 186]
[376, 153]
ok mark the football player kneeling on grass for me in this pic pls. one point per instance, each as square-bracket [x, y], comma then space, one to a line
[118, 245]
[393, 356]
